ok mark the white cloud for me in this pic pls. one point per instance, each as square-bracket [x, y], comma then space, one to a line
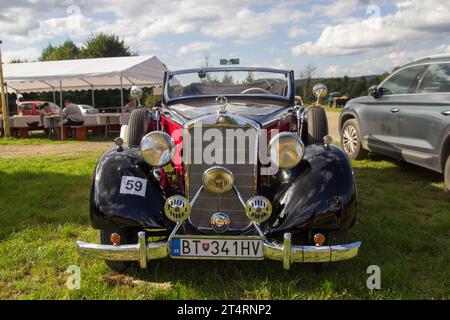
[28, 54]
[233, 18]
[338, 9]
[296, 31]
[413, 22]
[31, 23]
[247, 24]
[383, 63]
[194, 46]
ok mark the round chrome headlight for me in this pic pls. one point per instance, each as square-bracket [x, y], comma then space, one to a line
[177, 208]
[286, 150]
[157, 148]
[218, 180]
[258, 209]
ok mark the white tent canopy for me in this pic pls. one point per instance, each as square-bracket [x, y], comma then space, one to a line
[84, 74]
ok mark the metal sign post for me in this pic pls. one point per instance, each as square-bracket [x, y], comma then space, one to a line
[5, 108]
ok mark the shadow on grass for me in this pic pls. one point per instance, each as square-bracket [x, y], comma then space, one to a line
[42, 138]
[403, 223]
[29, 199]
[403, 215]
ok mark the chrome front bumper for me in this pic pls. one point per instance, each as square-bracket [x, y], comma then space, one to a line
[142, 252]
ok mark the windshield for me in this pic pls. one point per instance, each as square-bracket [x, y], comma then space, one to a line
[234, 82]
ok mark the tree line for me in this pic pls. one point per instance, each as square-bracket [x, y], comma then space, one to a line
[103, 45]
[351, 87]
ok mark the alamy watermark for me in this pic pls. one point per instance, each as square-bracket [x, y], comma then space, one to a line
[73, 281]
[374, 280]
[216, 146]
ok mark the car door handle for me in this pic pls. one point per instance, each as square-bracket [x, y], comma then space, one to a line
[395, 110]
[446, 113]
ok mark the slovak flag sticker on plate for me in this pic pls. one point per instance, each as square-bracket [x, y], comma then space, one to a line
[176, 247]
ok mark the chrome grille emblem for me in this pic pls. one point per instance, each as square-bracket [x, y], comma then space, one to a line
[223, 102]
[220, 222]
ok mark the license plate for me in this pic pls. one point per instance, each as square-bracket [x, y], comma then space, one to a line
[213, 248]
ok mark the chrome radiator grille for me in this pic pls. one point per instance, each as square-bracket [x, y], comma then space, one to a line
[244, 177]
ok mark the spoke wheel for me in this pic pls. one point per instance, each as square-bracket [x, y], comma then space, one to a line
[447, 174]
[351, 140]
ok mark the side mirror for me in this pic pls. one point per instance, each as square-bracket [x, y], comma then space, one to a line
[320, 90]
[374, 91]
[136, 93]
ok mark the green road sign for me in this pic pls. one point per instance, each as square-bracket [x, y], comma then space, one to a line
[229, 61]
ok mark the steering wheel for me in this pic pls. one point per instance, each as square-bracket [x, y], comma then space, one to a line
[261, 90]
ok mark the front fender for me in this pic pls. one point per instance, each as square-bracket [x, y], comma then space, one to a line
[322, 195]
[111, 208]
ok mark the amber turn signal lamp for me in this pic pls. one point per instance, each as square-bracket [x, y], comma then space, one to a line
[319, 239]
[115, 239]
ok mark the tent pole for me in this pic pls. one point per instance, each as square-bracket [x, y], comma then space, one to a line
[5, 111]
[17, 99]
[121, 94]
[61, 110]
[93, 97]
[54, 96]
[7, 97]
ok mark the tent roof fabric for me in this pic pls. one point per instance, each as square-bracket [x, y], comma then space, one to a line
[84, 74]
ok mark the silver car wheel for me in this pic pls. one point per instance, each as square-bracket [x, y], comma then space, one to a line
[350, 139]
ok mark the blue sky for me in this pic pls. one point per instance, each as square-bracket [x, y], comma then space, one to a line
[352, 37]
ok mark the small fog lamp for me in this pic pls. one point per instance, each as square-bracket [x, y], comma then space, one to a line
[218, 180]
[177, 208]
[258, 209]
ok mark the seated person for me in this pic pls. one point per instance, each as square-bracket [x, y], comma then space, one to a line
[44, 111]
[72, 114]
[129, 107]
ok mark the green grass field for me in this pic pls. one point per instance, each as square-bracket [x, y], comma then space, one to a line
[39, 138]
[404, 224]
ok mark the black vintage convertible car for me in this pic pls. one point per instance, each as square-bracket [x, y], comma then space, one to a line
[231, 165]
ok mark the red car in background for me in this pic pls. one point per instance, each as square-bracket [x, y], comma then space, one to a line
[31, 108]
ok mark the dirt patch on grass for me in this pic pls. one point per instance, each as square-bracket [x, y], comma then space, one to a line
[13, 151]
[333, 122]
[114, 279]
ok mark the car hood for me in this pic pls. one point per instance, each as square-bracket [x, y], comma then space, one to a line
[260, 112]
[360, 99]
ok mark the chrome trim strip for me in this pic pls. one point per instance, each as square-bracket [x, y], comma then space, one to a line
[286, 252]
[258, 229]
[282, 116]
[241, 200]
[195, 198]
[174, 231]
